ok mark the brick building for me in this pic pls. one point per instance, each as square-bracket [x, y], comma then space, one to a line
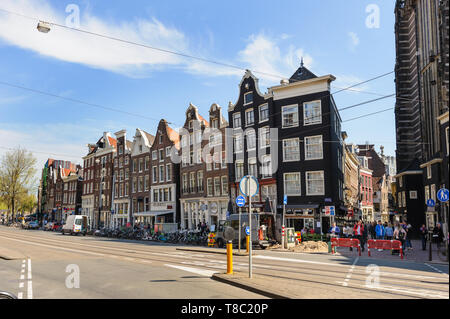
[139, 171]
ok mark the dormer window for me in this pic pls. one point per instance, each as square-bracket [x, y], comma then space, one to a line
[248, 98]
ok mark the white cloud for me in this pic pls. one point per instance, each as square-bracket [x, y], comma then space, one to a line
[264, 55]
[345, 81]
[354, 40]
[76, 47]
[261, 53]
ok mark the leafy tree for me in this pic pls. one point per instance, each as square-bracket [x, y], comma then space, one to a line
[16, 177]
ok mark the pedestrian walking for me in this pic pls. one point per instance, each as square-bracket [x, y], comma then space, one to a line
[379, 232]
[408, 243]
[438, 235]
[399, 234]
[389, 232]
[423, 236]
[358, 231]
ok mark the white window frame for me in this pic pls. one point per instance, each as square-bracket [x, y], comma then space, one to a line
[259, 113]
[168, 172]
[161, 176]
[263, 137]
[238, 178]
[299, 182]
[235, 115]
[310, 122]
[306, 149]
[245, 95]
[298, 147]
[154, 156]
[265, 167]
[246, 117]
[251, 135]
[308, 179]
[252, 161]
[283, 113]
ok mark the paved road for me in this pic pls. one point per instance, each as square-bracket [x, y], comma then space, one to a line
[111, 268]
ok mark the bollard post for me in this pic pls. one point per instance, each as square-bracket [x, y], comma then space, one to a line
[248, 243]
[229, 257]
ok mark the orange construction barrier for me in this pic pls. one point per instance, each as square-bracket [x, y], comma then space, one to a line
[385, 244]
[345, 242]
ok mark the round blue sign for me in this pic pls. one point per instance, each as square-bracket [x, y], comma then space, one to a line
[431, 203]
[240, 201]
[247, 230]
[442, 195]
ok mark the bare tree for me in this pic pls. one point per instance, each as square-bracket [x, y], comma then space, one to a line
[17, 174]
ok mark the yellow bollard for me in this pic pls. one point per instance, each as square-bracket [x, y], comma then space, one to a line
[248, 243]
[229, 258]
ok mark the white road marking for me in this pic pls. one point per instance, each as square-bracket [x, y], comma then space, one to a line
[29, 269]
[55, 247]
[421, 292]
[30, 290]
[299, 261]
[350, 272]
[202, 272]
[434, 268]
[21, 285]
[22, 277]
[30, 283]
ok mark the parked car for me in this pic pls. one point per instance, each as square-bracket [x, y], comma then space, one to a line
[49, 226]
[57, 227]
[75, 224]
[33, 225]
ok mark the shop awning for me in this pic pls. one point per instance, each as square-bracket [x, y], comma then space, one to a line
[147, 214]
[303, 206]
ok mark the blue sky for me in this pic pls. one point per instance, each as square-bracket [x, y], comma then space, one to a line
[266, 36]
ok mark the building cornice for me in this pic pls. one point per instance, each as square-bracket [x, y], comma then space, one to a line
[408, 173]
[443, 118]
[433, 161]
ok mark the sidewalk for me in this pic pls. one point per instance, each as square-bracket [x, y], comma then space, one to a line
[416, 254]
[214, 250]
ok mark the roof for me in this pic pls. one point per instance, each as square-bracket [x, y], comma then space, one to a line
[150, 137]
[173, 136]
[302, 74]
[201, 118]
[112, 141]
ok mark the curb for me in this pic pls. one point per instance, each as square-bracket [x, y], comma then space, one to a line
[250, 288]
[214, 251]
[8, 254]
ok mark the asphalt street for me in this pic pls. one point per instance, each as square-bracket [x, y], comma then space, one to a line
[113, 268]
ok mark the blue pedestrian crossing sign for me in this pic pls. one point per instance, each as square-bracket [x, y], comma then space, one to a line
[247, 231]
[285, 200]
[430, 202]
[240, 201]
[442, 195]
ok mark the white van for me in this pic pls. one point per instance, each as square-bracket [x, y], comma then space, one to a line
[75, 224]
